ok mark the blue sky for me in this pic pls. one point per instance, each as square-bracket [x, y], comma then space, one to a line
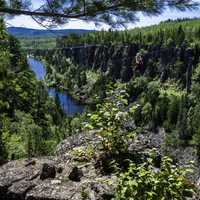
[25, 21]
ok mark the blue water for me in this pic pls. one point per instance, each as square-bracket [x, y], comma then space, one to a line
[37, 67]
[69, 106]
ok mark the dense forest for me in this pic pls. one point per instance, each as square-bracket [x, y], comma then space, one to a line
[29, 118]
[149, 81]
[163, 34]
[43, 42]
[162, 78]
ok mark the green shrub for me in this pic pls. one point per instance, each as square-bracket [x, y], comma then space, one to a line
[153, 92]
[109, 120]
[144, 182]
[147, 112]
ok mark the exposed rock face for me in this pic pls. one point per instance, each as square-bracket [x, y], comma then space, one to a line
[48, 171]
[62, 177]
[94, 56]
[73, 174]
[120, 60]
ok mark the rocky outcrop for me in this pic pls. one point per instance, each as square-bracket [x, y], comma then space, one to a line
[120, 60]
[74, 172]
[93, 56]
[48, 171]
[68, 175]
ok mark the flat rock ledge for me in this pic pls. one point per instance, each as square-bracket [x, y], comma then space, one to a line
[66, 176]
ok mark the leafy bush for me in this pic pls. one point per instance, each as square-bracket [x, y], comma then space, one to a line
[144, 182]
[153, 92]
[109, 120]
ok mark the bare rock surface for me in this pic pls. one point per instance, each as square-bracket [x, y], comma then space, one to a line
[68, 175]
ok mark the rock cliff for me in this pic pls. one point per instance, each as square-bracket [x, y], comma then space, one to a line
[157, 60]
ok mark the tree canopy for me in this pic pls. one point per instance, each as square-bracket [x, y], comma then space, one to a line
[111, 12]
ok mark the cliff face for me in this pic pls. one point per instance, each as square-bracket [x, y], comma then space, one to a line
[120, 60]
[77, 172]
[93, 56]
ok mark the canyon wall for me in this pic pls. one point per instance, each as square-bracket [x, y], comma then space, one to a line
[164, 62]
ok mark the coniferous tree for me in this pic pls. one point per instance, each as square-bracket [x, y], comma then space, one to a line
[111, 12]
[180, 37]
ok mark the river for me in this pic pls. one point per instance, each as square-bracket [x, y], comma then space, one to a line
[69, 105]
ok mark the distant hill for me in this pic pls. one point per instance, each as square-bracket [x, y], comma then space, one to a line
[27, 32]
[186, 29]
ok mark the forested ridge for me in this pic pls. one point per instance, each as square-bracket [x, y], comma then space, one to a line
[174, 30]
[141, 127]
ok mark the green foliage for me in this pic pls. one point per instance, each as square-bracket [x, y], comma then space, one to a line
[26, 128]
[153, 91]
[109, 120]
[81, 83]
[145, 182]
[196, 76]
[173, 110]
[147, 112]
[38, 42]
[113, 13]
[193, 123]
[22, 138]
[137, 86]
[156, 104]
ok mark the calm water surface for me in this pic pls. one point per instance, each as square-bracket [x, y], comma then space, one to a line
[69, 105]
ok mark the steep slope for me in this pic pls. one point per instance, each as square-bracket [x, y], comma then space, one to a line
[166, 51]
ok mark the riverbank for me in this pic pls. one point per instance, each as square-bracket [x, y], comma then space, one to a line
[67, 101]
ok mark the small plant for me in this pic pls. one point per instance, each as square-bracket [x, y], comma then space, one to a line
[84, 152]
[109, 120]
[84, 194]
[144, 182]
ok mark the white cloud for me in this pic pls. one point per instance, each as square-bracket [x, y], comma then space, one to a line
[26, 21]
[169, 14]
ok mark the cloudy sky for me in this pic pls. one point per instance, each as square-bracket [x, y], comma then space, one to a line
[25, 21]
